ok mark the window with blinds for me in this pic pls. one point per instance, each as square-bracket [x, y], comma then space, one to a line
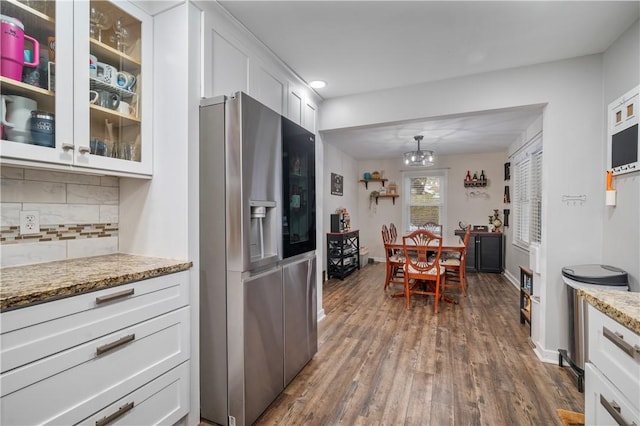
[527, 198]
[424, 201]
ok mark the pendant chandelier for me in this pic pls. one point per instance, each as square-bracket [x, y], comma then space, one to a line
[419, 157]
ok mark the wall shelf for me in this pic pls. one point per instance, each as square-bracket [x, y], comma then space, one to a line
[475, 183]
[392, 196]
[366, 181]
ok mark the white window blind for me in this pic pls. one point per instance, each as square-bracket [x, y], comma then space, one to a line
[424, 198]
[536, 198]
[528, 197]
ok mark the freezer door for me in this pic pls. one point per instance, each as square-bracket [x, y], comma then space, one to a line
[263, 342]
[300, 316]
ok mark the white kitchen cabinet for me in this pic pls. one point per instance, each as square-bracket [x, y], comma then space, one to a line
[80, 357]
[612, 375]
[309, 115]
[120, 128]
[301, 109]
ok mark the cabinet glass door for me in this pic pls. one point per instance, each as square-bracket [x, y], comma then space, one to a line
[30, 112]
[113, 94]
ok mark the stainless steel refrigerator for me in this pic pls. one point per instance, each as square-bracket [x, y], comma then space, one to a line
[252, 303]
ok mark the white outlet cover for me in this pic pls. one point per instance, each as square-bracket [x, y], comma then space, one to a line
[29, 222]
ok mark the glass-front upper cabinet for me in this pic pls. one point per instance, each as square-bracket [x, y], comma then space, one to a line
[81, 104]
[114, 66]
[35, 122]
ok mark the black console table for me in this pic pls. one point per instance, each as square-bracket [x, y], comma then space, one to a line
[343, 253]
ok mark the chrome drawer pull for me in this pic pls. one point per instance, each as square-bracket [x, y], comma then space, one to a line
[111, 346]
[614, 409]
[618, 340]
[111, 417]
[114, 296]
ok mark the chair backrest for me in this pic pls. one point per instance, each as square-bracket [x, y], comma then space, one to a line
[386, 236]
[465, 241]
[386, 239]
[434, 228]
[394, 232]
[419, 247]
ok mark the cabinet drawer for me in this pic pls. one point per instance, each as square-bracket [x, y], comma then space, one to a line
[615, 351]
[165, 400]
[604, 403]
[32, 333]
[86, 380]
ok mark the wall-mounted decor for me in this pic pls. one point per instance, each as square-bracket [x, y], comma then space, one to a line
[336, 184]
[507, 196]
[505, 213]
[507, 171]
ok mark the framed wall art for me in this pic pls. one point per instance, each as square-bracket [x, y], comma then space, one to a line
[336, 184]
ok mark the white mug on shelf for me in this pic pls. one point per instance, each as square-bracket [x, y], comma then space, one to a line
[125, 80]
[125, 108]
[94, 96]
[107, 73]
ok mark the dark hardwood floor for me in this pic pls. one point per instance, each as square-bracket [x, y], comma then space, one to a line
[471, 364]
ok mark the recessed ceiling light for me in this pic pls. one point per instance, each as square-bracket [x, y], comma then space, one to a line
[318, 84]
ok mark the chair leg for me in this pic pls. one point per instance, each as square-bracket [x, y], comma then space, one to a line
[437, 296]
[388, 277]
[407, 294]
[462, 286]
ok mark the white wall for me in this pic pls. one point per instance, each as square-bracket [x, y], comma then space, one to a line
[336, 161]
[621, 246]
[573, 122]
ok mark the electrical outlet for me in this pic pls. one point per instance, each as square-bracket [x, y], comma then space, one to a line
[29, 222]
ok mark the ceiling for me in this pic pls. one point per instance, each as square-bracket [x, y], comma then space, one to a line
[364, 46]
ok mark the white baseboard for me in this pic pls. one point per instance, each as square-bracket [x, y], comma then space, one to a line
[545, 355]
[513, 280]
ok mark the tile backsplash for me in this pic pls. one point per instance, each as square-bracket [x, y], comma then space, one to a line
[78, 215]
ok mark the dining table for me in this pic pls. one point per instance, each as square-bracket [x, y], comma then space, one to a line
[450, 244]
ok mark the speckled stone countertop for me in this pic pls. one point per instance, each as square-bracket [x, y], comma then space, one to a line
[21, 286]
[622, 306]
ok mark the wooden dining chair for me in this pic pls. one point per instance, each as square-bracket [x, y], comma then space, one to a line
[455, 266]
[434, 228]
[394, 260]
[421, 267]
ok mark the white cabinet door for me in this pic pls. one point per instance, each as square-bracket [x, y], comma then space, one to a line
[294, 106]
[604, 403]
[112, 130]
[46, 88]
[229, 64]
[309, 116]
[268, 88]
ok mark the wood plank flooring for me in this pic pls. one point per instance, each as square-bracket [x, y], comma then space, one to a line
[471, 364]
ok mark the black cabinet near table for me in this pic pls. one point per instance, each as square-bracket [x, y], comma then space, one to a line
[484, 253]
[343, 253]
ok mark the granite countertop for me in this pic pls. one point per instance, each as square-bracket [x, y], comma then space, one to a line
[22, 286]
[622, 306]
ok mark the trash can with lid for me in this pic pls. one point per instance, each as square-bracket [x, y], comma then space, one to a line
[364, 256]
[602, 277]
